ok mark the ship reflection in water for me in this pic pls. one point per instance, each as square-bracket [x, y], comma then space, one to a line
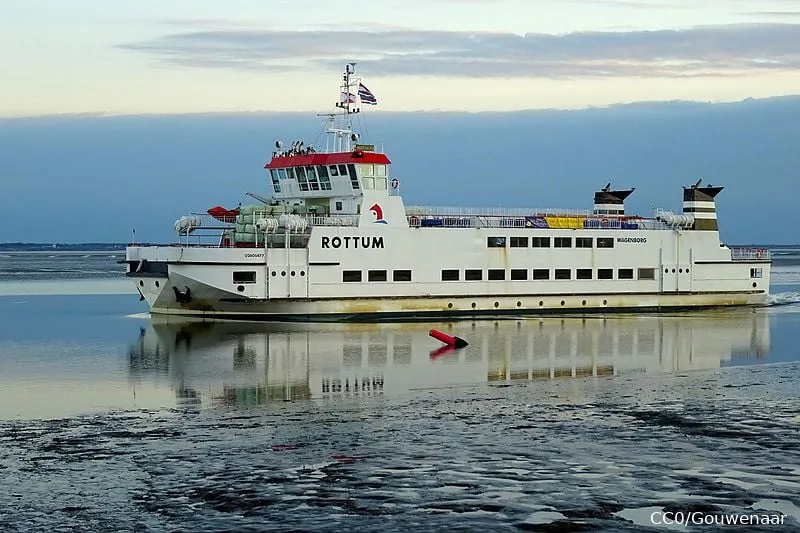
[248, 363]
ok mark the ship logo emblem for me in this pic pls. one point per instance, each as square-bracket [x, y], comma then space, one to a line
[378, 210]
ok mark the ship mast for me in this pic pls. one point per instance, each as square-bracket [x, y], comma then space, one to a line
[340, 125]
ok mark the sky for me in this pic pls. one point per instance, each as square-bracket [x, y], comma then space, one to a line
[188, 56]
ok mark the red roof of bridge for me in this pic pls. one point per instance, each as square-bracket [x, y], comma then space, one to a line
[328, 159]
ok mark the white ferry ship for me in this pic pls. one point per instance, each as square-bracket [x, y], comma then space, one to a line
[335, 241]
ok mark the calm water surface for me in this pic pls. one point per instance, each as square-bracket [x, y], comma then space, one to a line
[111, 421]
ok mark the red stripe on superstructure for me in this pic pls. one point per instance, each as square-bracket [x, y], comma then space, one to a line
[328, 159]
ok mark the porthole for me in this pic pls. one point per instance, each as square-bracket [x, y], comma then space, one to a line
[562, 302]
[541, 303]
[294, 273]
[274, 273]
[302, 273]
[666, 271]
[755, 284]
[474, 305]
[283, 273]
[157, 284]
[605, 302]
[519, 304]
[450, 305]
[687, 270]
[583, 302]
[240, 288]
[496, 305]
[141, 283]
[680, 271]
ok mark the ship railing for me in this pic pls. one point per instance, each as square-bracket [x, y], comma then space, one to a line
[493, 211]
[750, 254]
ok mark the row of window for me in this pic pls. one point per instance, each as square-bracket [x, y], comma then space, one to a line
[544, 242]
[515, 274]
[318, 177]
[521, 274]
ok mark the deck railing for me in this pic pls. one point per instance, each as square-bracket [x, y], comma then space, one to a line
[750, 254]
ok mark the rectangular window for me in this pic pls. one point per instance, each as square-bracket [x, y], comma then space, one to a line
[450, 275]
[281, 173]
[583, 242]
[313, 182]
[496, 242]
[380, 184]
[351, 276]
[369, 183]
[290, 174]
[647, 273]
[351, 168]
[605, 242]
[338, 206]
[473, 275]
[756, 272]
[496, 274]
[402, 275]
[334, 170]
[541, 273]
[563, 273]
[324, 179]
[625, 273]
[376, 275]
[519, 274]
[605, 273]
[380, 170]
[583, 273]
[276, 185]
[562, 242]
[519, 242]
[247, 276]
[301, 178]
[540, 242]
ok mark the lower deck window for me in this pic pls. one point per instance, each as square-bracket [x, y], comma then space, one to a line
[496, 274]
[473, 275]
[351, 276]
[376, 275]
[605, 273]
[450, 275]
[583, 273]
[756, 272]
[625, 273]
[401, 275]
[541, 273]
[519, 274]
[247, 276]
[647, 273]
[563, 273]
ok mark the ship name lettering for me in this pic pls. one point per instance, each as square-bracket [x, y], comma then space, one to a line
[352, 242]
[641, 240]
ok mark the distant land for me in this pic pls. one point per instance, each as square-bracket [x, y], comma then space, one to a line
[103, 246]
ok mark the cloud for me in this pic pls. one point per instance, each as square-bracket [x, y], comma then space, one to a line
[727, 50]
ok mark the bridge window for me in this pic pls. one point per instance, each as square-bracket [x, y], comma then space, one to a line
[290, 174]
[351, 168]
[540, 242]
[324, 180]
[380, 170]
[335, 170]
[276, 185]
[605, 273]
[369, 183]
[756, 272]
[562, 242]
[496, 242]
[380, 184]
[301, 178]
[519, 274]
[625, 273]
[583, 242]
[605, 242]
[376, 275]
[351, 276]
[646, 273]
[246, 276]
[282, 173]
[496, 274]
[473, 275]
[402, 275]
[519, 242]
[312, 178]
[450, 275]
[563, 273]
[541, 273]
[366, 170]
[583, 273]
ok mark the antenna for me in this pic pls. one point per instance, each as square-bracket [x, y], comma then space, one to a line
[607, 187]
[696, 185]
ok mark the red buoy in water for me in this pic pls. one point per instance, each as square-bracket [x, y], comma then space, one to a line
[449, 340]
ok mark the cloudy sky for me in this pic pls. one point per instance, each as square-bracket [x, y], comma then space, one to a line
[177, 56]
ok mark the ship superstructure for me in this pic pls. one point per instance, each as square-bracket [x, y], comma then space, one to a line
[335, 241]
